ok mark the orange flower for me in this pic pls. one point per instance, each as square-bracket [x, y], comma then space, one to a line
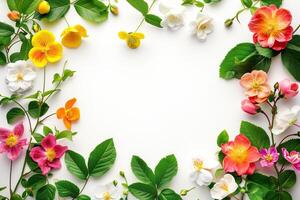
[240, 156]
[257, 88]
[271, 27]
[69, 113]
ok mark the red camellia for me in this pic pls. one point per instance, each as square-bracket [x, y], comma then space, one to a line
[240, 156]
[271, 27]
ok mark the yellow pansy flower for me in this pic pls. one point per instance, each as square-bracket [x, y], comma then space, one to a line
[45, 49]
[72, 36]
[43, 7]
[133, 39]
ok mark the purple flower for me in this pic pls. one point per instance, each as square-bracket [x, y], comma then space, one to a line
[268, 157]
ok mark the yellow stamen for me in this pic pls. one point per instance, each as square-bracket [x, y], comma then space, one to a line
[11, 140]
[107, 196]
[198, 164]
[50, 154]
[224, 187]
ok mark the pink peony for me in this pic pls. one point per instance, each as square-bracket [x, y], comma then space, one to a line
[249, 107]
[11, 142]
[48, 154]
[288, 89]
[269, 157]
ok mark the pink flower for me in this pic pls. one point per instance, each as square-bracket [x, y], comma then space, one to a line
[288, 89]
[293, 157]
[48, 154]
[11, 142]
[257, 88]
[249, 107]
[271, 27]
[269, 157]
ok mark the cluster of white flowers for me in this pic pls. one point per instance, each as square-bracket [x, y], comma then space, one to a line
[174, 20]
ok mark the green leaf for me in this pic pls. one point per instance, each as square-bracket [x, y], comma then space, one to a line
[287, 179]
[247, 3]
[76, 165]
[6, 30]
[36, 110]
[290, 145]
[38, 137]
[143, 191]
[222, 138]
[14, 115]
[47, 130]
[241, 59]
[59, 9]
[153, 20]
[83, 197]
[165, 170]
[65, 134]
[259, 185]
[92, 10]
[266, 52]
[168, 194]
[140, 5]
[102, 158]
[291, 57]
[278, 3]
[47, 192]
[67, 189]
[31, 164]
[36, 181]
[221, 156]
[28, 6]
[16, 197]
[2, 58]
[142, 171]
[257, 136]
[275, 195]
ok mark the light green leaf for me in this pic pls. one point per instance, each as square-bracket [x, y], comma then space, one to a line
[140, 5]
[165, 170]
[76, 165]
[143, 191]
[92, 10]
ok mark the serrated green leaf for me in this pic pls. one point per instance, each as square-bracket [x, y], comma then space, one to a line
[46, 192]
[142, 171]
[67, 189]
[76, 165]
[143, 191]
[165, 170]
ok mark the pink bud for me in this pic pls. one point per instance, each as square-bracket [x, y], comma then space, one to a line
[288, 89]
[249, 107]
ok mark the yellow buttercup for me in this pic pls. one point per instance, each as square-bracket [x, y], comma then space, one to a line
[133, 39]
[72, 36]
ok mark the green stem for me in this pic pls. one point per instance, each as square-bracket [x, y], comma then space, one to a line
[83, 187]
[10, 177]
[296, 29]
[142, 21]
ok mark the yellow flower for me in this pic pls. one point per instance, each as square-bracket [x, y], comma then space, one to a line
[45, 49]
[43, 7]
[72, 36]
[133, 40]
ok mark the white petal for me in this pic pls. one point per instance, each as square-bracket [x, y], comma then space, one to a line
[25, 85]
[29, 75]
[13, 86]
[163, 8]
[12, 75]
[229, 179]
[205, 178]
[194, 176]
[296, 110]
[217, 193]
[210, 163]
[201, 35]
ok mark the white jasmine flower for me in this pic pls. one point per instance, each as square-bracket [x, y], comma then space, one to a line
[108, 192]
[224, 187]
[283, 120]
[203, 174]
[20, 76]
[202, 26]
[173, 17]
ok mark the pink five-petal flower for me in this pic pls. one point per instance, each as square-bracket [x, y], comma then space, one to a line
[292, 157]
[48, 154]
[288, 89]
[11, 142]
[268, 157]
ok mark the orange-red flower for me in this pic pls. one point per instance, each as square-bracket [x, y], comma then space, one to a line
[68, 113]
[271, 27]
[240, 156]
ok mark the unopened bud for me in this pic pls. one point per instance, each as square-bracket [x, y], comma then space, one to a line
[125, 192]
[276, 85]
[122, 174]
[43, 7]
[115, 182]
[36, 27]
[14, 16]
[114, 10]
[184, 192]
[228, 23]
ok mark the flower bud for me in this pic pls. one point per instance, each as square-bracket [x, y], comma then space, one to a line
[114, 10]
[115, 183]
[228, 23]
[43, 7]
[249, 107]
[288, 89]
[122, 174]
[125, 192]
[184, 192]
[14, 16]
[36, 27]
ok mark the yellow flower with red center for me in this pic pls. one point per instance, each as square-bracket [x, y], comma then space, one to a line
[45, 49]
[133, 39]
[257, 88]
[240, 156]
[68, 113]
[271, 27]
[72, 36]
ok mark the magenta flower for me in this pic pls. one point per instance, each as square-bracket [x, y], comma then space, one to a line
[268, 157]
[288, 89]
[293, 157]
[48, 154]
[11, 142]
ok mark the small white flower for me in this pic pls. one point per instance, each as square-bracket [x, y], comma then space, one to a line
[202, 26]
[20, 76]
[203, 174]
[283, 120]
[224, 187]
[173, 17]
[108, 192]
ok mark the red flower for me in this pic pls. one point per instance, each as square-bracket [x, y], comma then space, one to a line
[240, 156]
[271, 27]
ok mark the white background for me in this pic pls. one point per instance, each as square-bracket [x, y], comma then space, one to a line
[165, 97]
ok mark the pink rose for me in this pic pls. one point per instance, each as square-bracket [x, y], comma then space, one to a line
[288, 89]
[249, 107]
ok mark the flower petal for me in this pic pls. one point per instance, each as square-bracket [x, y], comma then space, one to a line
[48, 142]
[37, 154]
[71, 40]
[38, 57]
[60, 150]
[19, 129]
[42, 38]
[61, 113]
[54, 52]
[70, 103]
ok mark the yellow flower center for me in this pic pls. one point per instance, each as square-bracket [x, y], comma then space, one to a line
[107, 196]
[224, 187]
[292, 121]
[269, 158]
[201, 27]
[172, 18]
[133, 42]
[50, 154]
[198, 164]
[20, 76]
[239, 154]
[11, 140]
[256, 85]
